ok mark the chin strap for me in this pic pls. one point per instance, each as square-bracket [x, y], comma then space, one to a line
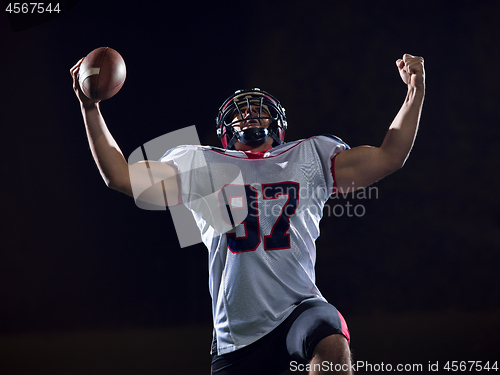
[277, 140]
[250, 137]
[254, 137]
[231, 142]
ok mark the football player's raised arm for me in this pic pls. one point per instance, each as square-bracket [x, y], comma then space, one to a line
[146, 177]
[361, 166]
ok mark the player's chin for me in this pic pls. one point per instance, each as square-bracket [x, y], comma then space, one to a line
[240, 146]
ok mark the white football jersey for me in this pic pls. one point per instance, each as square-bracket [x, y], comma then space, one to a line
[259, 217]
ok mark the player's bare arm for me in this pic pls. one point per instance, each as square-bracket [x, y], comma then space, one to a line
[364, 165]
[114, 169]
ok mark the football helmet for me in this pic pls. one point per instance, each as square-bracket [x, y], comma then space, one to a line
[268, 108]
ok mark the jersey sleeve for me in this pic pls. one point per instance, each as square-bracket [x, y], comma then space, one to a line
[201, 180]
[190, 165]
[176, 157]
[328, 147]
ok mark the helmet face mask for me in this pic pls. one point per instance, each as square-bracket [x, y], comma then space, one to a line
[231, 113]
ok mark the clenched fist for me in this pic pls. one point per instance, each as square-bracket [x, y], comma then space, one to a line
[411, 70]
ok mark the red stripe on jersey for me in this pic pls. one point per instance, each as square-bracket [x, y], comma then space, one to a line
[332, 169]
[345, 330]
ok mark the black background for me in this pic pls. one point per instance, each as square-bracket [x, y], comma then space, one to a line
[78, 257]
